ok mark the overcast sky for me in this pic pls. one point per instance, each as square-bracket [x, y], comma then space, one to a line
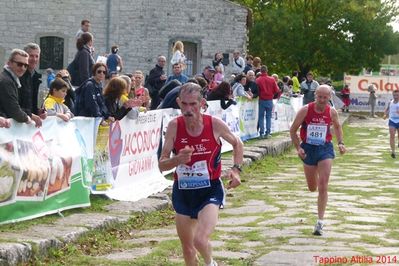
[395, 26]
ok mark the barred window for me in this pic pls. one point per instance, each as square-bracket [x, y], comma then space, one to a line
[52, 52]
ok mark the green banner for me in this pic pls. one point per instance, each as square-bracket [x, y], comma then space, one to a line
[41, 169]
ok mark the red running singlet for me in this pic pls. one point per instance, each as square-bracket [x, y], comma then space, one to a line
[315, 128]
[207, 150]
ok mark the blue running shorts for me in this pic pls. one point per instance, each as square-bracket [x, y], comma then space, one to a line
[317, 153]
[393, 124]
[190, 202]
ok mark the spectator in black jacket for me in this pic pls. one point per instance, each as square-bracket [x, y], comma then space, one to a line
[89, 98]
[82, 64]
[30, 81]
[249, 65]
[222, 92]
[251, 84]
[170, 94]
[168, 87]
[9, 84]
[156, 79]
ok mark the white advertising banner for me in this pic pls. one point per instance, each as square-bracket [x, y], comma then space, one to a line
[384, 84]
[283, 114]
[133, 146]
[248, 118]
[359, 96]
[359, 102]
[229, 116]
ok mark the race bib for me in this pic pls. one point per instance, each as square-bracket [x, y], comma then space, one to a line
[193, 177]
[316, 134]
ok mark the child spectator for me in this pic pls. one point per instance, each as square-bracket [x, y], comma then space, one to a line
[70, 98]
[54, 103]
[125, 95]
[218, 78]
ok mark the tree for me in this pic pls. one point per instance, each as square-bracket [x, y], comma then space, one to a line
[326, 36]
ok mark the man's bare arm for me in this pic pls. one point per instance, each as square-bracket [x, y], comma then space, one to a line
[300, 117]
[165, 162]
[221, 130]
[338, 131]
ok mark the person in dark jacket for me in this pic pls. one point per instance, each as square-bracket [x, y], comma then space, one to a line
[251, 84]
[249, 65]
[30, 81]
[113, 92]
[170, 92]
[168, 87]
[9, 84]
[82, 64]
[89, 97]
[156, 79]
[224, 93]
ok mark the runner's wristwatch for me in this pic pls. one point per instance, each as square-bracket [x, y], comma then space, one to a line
[237, 166]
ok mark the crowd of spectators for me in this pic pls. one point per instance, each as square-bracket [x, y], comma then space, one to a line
[87, 88]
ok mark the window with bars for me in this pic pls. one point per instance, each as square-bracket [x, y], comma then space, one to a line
[191, 53]
[52, 52]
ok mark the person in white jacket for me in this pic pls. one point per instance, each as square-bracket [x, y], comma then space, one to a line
[238, 63]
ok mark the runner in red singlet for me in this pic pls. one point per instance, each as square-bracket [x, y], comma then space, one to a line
[315, 147]
[198, 192]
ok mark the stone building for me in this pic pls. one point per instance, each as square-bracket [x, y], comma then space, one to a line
[143, 29]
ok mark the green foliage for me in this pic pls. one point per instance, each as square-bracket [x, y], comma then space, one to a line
[325, 36]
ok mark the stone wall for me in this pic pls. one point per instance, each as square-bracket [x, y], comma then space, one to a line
[142, 29]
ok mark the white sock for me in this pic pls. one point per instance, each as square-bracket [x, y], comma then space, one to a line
[212, 263]
[320, 221]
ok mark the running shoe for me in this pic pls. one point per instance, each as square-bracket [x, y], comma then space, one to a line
[393, 155]
[318, 229]
[213, 263]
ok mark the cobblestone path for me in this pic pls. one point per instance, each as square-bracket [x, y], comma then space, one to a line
[270, 218]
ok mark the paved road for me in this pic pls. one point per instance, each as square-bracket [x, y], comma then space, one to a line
[269, 220]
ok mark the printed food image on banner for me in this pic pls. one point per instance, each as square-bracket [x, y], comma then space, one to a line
[60, 172]
[35, 172]
[8, 175]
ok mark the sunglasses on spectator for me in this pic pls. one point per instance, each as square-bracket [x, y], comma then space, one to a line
[101, 71]
[20, 64]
